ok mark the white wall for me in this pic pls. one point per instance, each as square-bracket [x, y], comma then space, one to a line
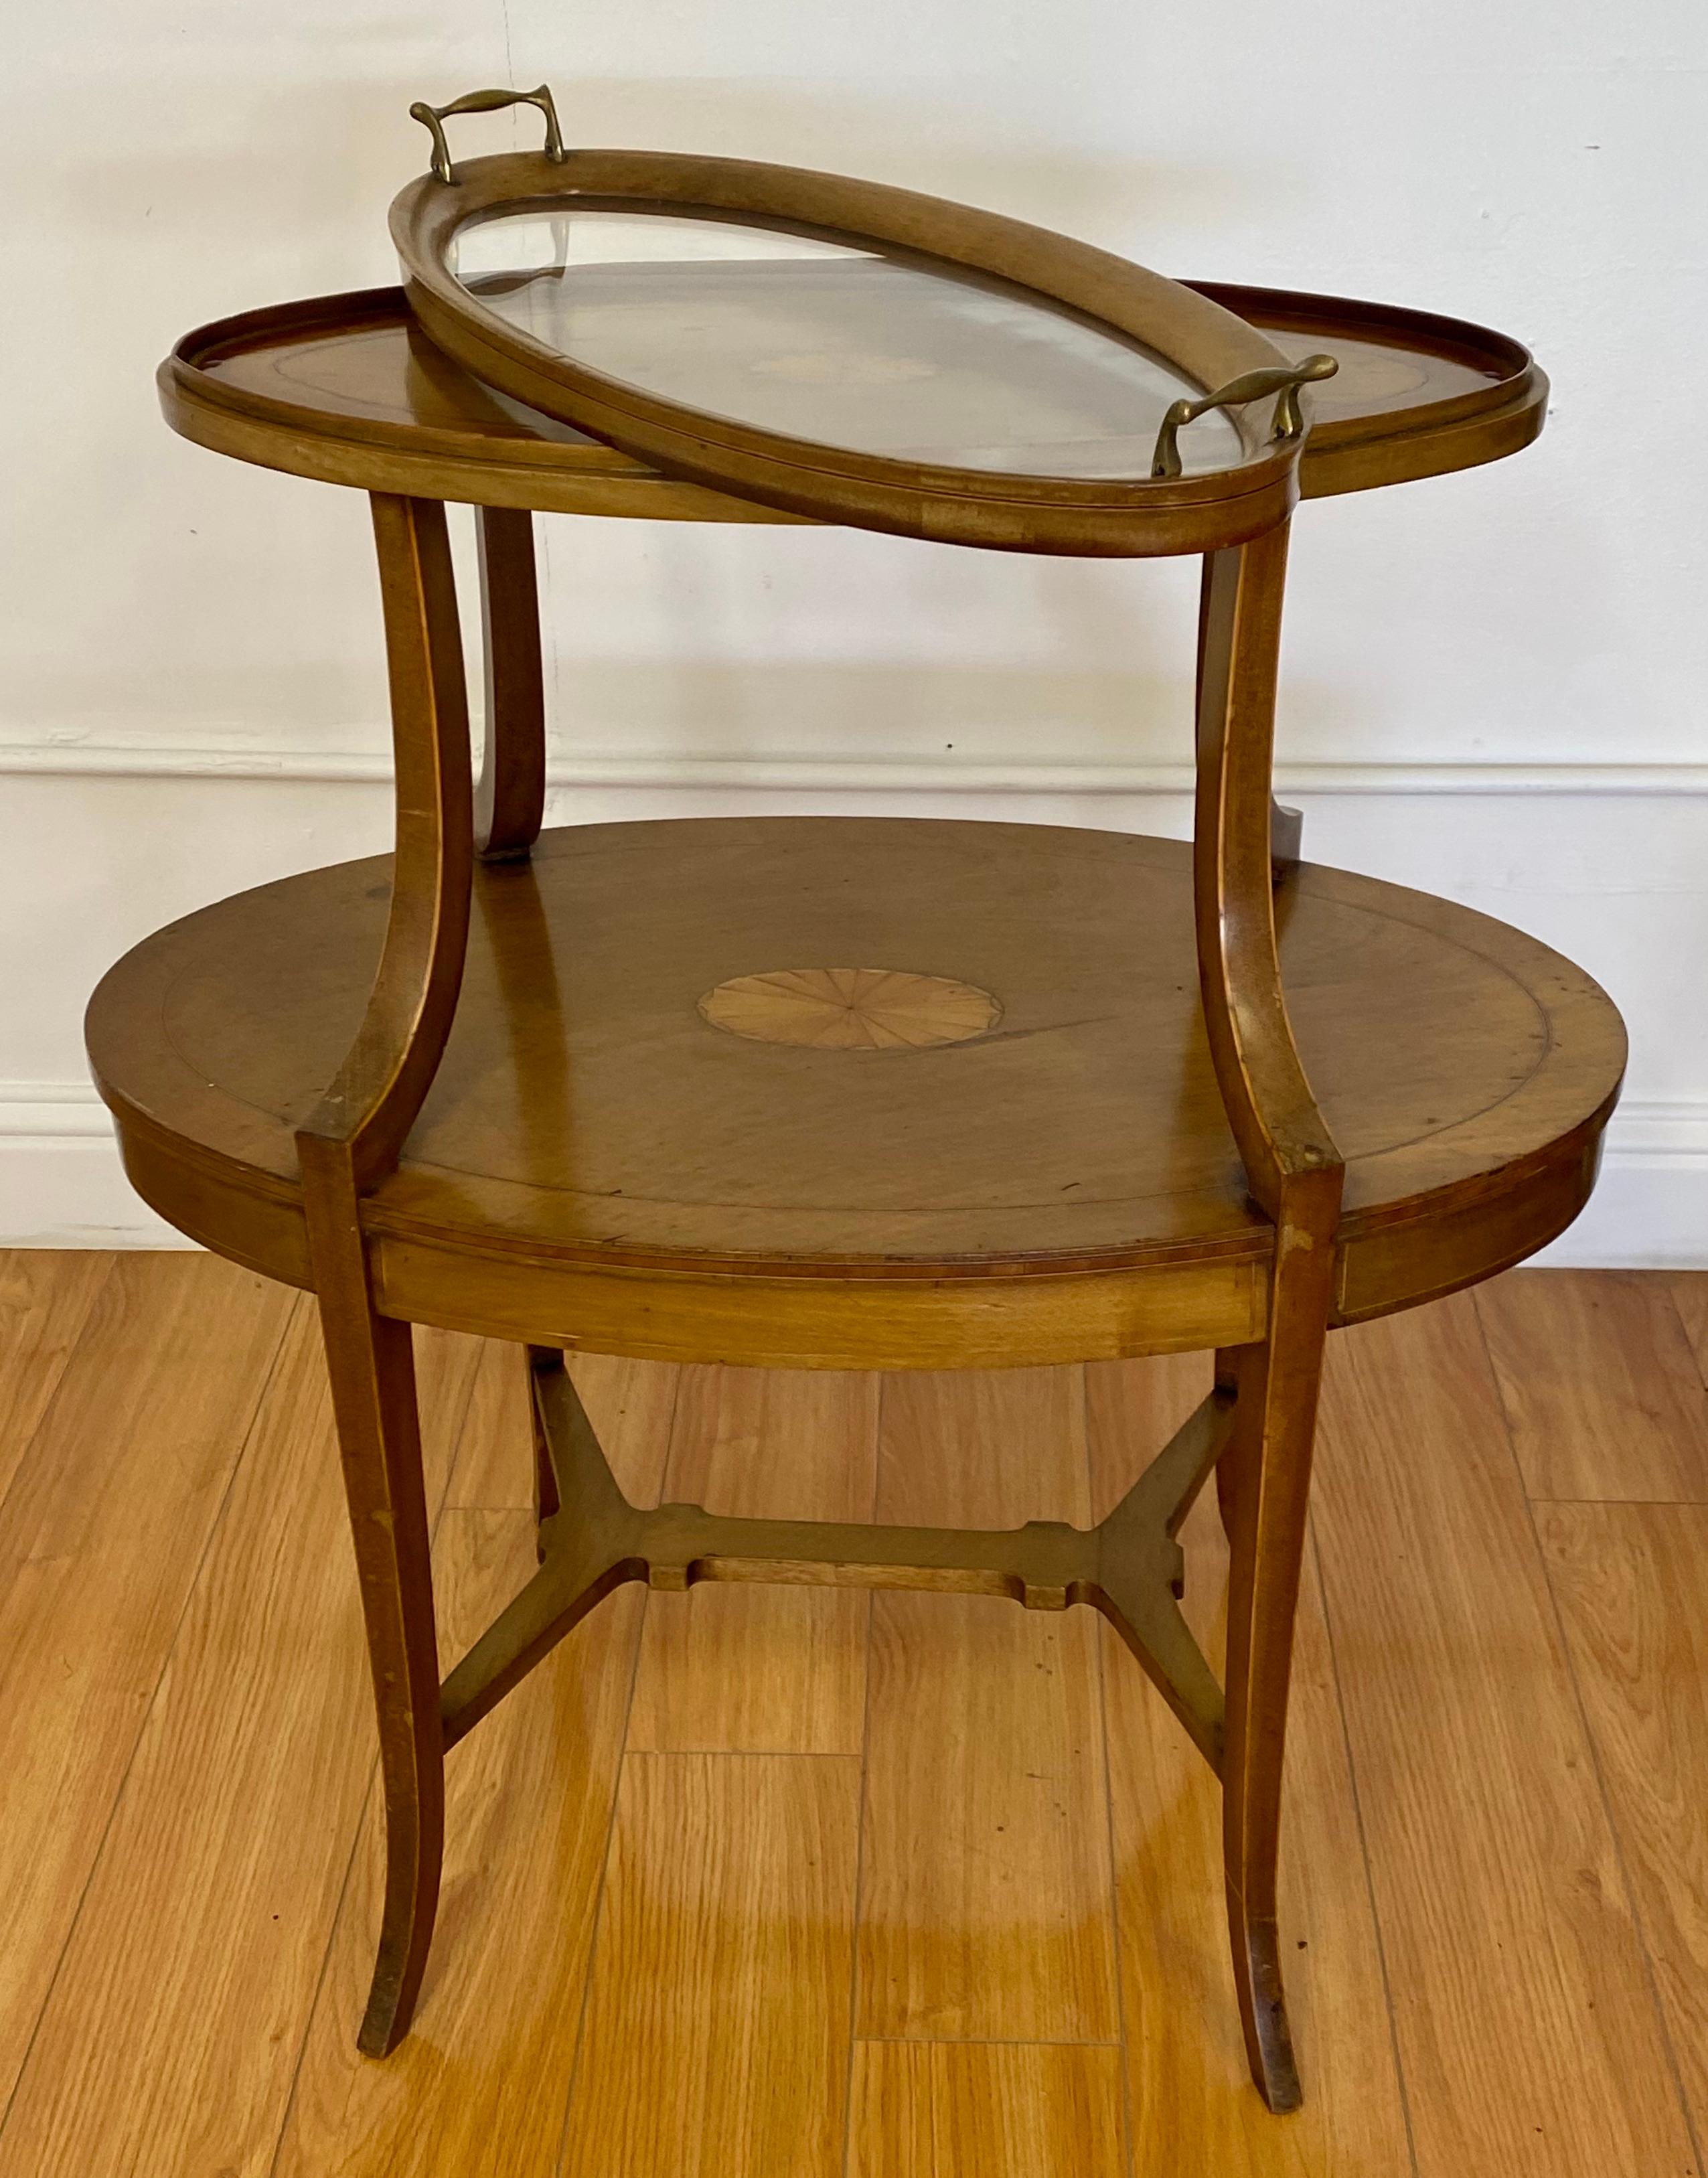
[1494, 682]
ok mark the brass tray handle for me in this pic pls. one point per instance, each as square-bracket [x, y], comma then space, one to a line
[433, 117]
[1254, 385]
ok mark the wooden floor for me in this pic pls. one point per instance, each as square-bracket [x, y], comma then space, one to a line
[820, 1885]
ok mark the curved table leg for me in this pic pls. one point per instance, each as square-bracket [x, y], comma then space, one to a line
[1269, 1468]
[371, 1363]
[348, 1144]
[1296, 1173]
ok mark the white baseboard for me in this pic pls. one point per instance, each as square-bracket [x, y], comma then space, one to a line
[360, 755]
[61, 1185]
[61, 1182]
[1650, 1210]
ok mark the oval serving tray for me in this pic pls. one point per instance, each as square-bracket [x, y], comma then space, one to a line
[856, 353]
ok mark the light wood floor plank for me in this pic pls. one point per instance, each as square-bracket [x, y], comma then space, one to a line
[1601, 1386]
[716, 2041]
[1185, 2059]
[479, 2088]
[1633, 1585]
[46, 1295]
[1689, 1292]
[632, 1405]
[985, 1901]
[1132, 1409]
[986, 1889]
[1527, 2031]
[629, 1403]
[101, 1538]
[200, 1643]
[976, 2110]
[989, 1448]
[198, 1948]
[762, 1669]
[494, 1470]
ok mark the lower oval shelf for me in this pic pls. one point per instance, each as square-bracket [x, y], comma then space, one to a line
[973, 1125]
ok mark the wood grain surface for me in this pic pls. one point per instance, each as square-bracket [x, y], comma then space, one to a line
[987, 1919]
[1515, 1967]
[1496, 1873]
[348, 388]
[1689, 1292]
[220, 1907]
[1063, 1185]
[1642, 1664]
[1034, 2109]
[523, 1863]
[1599, 1383]
[729, 1889]
[46, 1296]
[102, 1539]
[759, 1669]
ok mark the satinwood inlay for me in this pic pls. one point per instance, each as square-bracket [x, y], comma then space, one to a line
[850, 1009]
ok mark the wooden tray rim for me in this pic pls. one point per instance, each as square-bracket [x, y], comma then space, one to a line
[1345, 454]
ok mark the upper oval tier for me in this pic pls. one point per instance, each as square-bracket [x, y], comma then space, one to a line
[349, 389]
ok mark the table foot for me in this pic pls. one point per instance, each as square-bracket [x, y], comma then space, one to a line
[1263, 2009]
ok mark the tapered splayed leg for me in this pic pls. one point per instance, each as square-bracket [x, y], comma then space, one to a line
[372, 1369]
[345, 1147]
[1295, 1174]
[1269, 1464]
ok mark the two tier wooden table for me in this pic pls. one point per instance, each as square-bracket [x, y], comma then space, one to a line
[836, 1093]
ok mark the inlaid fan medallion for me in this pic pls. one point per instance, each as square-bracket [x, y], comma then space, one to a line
[850, 1009]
